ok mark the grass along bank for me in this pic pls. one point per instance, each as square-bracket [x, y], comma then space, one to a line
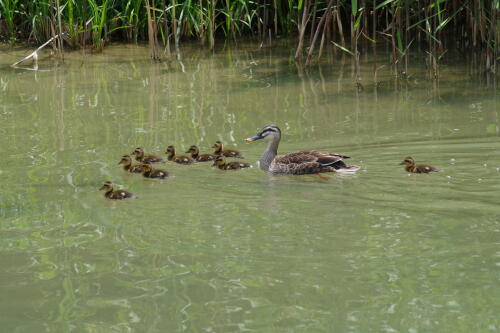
[346, 25]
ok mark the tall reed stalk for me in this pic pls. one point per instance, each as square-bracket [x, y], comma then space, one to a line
[432, 25]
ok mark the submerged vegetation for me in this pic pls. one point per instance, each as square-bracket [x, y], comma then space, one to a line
[345, 25]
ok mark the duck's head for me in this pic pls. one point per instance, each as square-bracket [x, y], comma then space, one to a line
[107, 186]
[193, 150]
[146, 167]
[408, 161]
[219, 161]
[269, 132]
[138, 151]
[126, 160]
[170, 150]
[217, 145]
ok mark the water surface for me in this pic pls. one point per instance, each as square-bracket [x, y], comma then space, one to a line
[215, 251]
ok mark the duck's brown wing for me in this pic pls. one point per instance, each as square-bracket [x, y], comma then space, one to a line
[320, 153]
[301, 163]
[309, 156]
[312, 161]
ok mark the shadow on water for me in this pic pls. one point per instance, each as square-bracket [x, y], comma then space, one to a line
[219, 251]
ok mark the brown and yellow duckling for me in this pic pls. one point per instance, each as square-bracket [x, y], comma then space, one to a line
[219, 150]
[117, 195]
[410, 166]
[149, 172]
[127, 165]
[141, 157]
[181, 159]
[220, 162]
[195, 154]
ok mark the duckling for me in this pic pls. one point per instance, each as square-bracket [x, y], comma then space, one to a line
[410, 166]
[195, 154]
[219, 150]
[127, 165]
[220, 162]
[118, 194]
[178, 158]
[139, 156]
[149, 172]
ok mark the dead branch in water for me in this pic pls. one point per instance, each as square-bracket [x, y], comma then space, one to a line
[34, 54]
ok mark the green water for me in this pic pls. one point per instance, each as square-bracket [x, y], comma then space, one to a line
[215, 251]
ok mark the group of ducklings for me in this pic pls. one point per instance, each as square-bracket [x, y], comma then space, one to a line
[218, 159]
[297, 163]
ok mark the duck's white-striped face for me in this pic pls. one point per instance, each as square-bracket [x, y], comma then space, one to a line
[269, 132]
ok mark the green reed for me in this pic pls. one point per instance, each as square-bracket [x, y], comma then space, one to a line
[432, 25]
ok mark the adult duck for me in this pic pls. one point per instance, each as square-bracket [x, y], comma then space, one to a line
[299, 163]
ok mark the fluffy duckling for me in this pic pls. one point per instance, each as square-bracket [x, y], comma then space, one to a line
[127, 165]
[149, 172]
[220, 162]
[139, 156]
[410, 166]
[177, 158]
[118, 194]
[195, 154]
[219, 150]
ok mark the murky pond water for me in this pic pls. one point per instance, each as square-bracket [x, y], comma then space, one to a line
[215, 251]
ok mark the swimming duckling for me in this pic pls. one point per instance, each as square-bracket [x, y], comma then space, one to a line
[118, 194]
[195, 154]
[220, 162]
[139, 156]
[127, 165]
[177, 158]
[149, 172]
[219, 150]
[410, 166]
